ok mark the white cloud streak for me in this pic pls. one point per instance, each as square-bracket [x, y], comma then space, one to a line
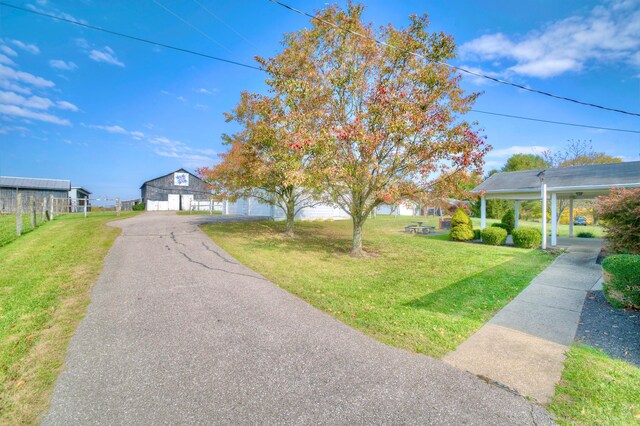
[27, 47]
[59, 64]
[106, 55]
[17, 111]
[7, 73]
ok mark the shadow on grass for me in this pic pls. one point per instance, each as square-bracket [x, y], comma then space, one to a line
[480, 295]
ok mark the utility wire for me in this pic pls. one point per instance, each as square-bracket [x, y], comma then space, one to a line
[155, 43]
[189, 24]
[477, 74]
[179, 49]
[206, 9]
[555, 122]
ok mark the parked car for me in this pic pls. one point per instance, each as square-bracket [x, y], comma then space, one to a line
[580, 221]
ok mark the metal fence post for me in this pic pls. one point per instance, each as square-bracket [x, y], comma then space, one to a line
[32, 201]
[18, 214]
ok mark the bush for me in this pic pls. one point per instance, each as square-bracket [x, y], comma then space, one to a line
[527, 237]
[585, 234]
[502, 226]
[477, 234]
[622, 280]
[138, 207]
[509, 220]
[621, 213]
[494, 236]
[460, 217]
[461, 227]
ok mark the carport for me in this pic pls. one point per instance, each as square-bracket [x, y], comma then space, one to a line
[552, 185]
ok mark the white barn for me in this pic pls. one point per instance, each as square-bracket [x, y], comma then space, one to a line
[253, 207]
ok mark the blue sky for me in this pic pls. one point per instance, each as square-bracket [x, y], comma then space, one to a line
[109, 113]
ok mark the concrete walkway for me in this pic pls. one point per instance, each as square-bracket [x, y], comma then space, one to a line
[523, 346]
[178, 332]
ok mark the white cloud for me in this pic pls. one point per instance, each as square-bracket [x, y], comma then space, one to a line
[7, 73]
[6, 60]
[31, 48]
[67, 105]
[115, 129]
[17, 111]
[33, 102]
[55, 12]
[7, 85]
[106, 55]
[82, 43]
[7, 50]
[5, 130]
[607, 34]
[516, 149]
[59, 64]
[201, 106]
[182, 99]
[204, 91]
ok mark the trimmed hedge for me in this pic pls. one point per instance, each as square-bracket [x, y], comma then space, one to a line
[527, 237]
[461, 227]
[622, 280]
[502, 226]
[138, 207]
[585, 234]
[509, 220]
[477, 234]
[494, 236]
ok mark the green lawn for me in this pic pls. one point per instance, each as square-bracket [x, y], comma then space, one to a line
[597, 390]
[422, 294]
[45, 278]
[8, 227]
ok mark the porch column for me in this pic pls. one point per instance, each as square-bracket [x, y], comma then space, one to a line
[554, 219]
[516, 213]
[483, 213]
[544, 216]
[571, 217]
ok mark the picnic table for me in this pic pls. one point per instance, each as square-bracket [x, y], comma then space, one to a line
[419, 229]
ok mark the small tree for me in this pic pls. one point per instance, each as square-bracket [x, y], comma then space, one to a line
[392, 118]
[621, 212]
[461, 226]
[509, 221]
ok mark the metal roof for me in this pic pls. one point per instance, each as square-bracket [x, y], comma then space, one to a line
[81, 189]
[168, 174]
[594, 176]
[34, 183]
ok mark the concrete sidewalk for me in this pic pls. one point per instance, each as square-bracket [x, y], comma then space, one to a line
[178, 332]
[523, 346]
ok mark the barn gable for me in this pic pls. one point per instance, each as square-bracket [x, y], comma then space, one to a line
[174, 191]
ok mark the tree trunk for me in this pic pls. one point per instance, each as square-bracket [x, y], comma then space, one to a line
[356, 248]
[290, 213]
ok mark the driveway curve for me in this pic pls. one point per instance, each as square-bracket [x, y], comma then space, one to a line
[178, 332]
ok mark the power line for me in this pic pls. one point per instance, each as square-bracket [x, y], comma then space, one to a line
[189, 24]
[477, 74]
[222, 21]
[155, 43]
[556, 122]
[179, 49]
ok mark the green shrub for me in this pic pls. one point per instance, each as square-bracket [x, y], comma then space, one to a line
[477, 234]
[502, 226]
[527, 237]
[138, 207]
[509, 220]
[460, 217]
[622, 280]
[585, 234]
[619, 212]
[494, 236]
[461, 227]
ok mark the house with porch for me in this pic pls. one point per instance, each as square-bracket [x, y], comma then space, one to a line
[552, 185]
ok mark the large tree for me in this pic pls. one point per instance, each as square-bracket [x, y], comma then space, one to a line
[392, 111]
[267, 158]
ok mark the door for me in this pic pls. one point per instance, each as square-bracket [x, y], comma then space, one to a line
[186, 201]
[174, 201]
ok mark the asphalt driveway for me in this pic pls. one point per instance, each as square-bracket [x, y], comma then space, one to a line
[178, 332]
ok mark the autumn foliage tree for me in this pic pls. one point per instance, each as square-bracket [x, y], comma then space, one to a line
[621, 212]
[267, 159]
[390, 112]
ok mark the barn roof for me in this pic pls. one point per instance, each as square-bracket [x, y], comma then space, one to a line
[587, 177]
[169, 174]
[35, 183]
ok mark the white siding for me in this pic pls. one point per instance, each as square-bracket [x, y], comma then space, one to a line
[401, 209]
[153, 206]
[252, 207]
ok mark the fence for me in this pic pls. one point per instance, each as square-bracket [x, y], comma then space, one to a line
[205, 206]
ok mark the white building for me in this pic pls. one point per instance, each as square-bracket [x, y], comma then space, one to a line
[253, 207]
[401, 209]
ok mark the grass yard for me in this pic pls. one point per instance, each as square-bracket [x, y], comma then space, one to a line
[45, 278]
[597, 390]
[8, 227]
[418, 293]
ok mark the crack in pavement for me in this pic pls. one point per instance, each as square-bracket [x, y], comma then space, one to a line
[218, 254]
[173, 237]
[218, 269]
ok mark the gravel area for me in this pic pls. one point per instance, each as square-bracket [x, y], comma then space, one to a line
[615, 331]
